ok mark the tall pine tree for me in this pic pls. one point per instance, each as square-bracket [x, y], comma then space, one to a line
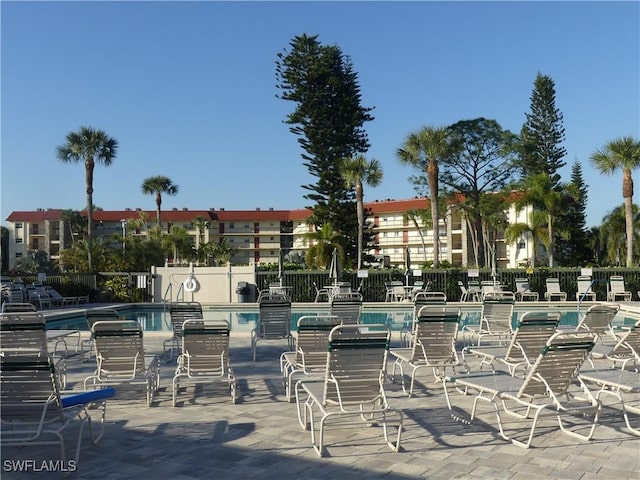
[542, 134]
[328, 120]
[541, 154]
[573, 247]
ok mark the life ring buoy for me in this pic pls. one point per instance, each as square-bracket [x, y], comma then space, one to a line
[190, 284]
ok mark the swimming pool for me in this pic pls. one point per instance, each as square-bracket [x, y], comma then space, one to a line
[154, 318]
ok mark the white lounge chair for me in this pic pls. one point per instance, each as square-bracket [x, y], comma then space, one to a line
[92, 316]
[623, 385]
[58, 299]
[310, 354]
[121, 358]
[347, 307]
[35, 411]
[549, 385]
[617, 290]
[625, 351]
[24, 329]
[321, 293]
[530, 335]
[585, 291]
[353, 384]
[433, 346]
[495, 320]
[274, 321]
[178, 313]
[205, 355]
[553, 292]
[599, 319]
[524, 292]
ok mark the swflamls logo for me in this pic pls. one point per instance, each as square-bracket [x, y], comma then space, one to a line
[39, 466]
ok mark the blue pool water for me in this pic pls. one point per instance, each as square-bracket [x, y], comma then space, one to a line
[157, 320]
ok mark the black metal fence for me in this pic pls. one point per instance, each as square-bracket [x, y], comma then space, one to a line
[135, 286]
[373, 286]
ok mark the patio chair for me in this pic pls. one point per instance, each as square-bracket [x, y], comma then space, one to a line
[38, 296]
[274, 321]
[28, 330]
[617, 290]
[495, 320]
[320, 293]
[347, 307]
[121, 358]
[205, 355]
[58, 299]
[475, 290]
[530, 335]
[549, 385]
[464, 292]
[623, 385]
[585, 292]
[92, 316]
[598, 319]
[422, 299]
[417, 288]
[433, 346]
[18, 307]
[352, 385]
[56, 336]
[489, 287]
[392, 288]
[178, 313]
[310, 353]
[553, 292]
[523, 291]
[35, 412]
[625, 351]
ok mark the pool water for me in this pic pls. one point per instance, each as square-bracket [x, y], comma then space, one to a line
[157, 320]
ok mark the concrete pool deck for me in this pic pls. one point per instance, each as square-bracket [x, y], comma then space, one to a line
[206, 436]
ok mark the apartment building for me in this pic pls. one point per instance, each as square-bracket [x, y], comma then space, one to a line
[258, 235]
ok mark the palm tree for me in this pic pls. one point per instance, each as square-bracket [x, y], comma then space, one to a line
[536, 229]
[201, 225]
[89, 146]
[325, 240]
[356, 172]
[624, 154]
[422, 150]
[612, 234]
[158, 185]
[540, 193]
[420, 218]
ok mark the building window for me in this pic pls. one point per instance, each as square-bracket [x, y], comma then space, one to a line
[18, 240]
[18, 254]
[18, 224]
[232, 225]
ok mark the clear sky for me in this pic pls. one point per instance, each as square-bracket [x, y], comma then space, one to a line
[188, 90]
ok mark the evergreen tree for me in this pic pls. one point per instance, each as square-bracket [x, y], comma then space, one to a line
[543, 133]
[328, 120]
[574, 250]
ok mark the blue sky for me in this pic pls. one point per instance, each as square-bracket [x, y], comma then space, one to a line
[188, 90]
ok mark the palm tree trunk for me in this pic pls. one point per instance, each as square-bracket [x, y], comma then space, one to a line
[360, 207]
[551, 246]
[432, 174]
[158, 208]
[89, 165]
[627, 194]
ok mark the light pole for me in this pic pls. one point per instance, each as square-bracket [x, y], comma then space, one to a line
[123, 222]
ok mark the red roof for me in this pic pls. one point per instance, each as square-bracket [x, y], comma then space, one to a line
[184, 215]
[35, 216]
